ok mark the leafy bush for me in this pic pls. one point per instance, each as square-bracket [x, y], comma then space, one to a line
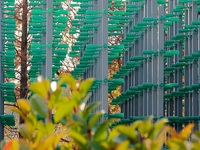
[52, 104]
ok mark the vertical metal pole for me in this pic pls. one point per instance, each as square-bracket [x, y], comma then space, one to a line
[190, 65]
[49, 37]
[161, 37]
[144, 42]
[1, 74]
[102, 32]
[95, 65]
[195, 101]
[149, 60]
[186, 75]
[155, 41]
[131, 76]
[170, 62]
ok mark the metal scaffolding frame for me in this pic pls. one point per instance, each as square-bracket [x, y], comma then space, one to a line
[160, 52]
[165, 79]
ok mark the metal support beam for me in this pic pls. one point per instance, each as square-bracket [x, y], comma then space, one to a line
[1, 74]
[49, 38]
[102, 35]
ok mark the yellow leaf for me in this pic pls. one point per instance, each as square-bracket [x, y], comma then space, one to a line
[41, 88]
[114, 133]
[186, 131]
[24, 106]
[49, 127]
[16, 110]
[176, 143]
[69, 79]
[123, 145]
[50, 142]
[57, 139]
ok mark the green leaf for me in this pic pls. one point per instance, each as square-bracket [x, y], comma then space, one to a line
[79, 139]
[63, 121]
[136, 124]
[177, 144]
[45, 128]
[94, 119]
[145, 128]
[156, 145]
[2, 144]
[120, 138]
[103, 136]
[196, 146]
[97, 146]
[101, 133]
[157, 127]
[49, 127]
[86, 85]
[114, 133]
[161, 136]
[77, 118]
[39, 106]
[76, 97]
[31, 122]
[41, 127]
[24, 131]
[127, 131]
[63, 109]
[41, 88]
[85, 113]
[55, 97]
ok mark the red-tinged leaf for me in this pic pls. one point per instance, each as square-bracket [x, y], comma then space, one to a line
[8, 146]
[12, 145]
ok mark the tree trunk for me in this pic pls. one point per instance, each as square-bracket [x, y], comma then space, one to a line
[24, 47]
[24, 58]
